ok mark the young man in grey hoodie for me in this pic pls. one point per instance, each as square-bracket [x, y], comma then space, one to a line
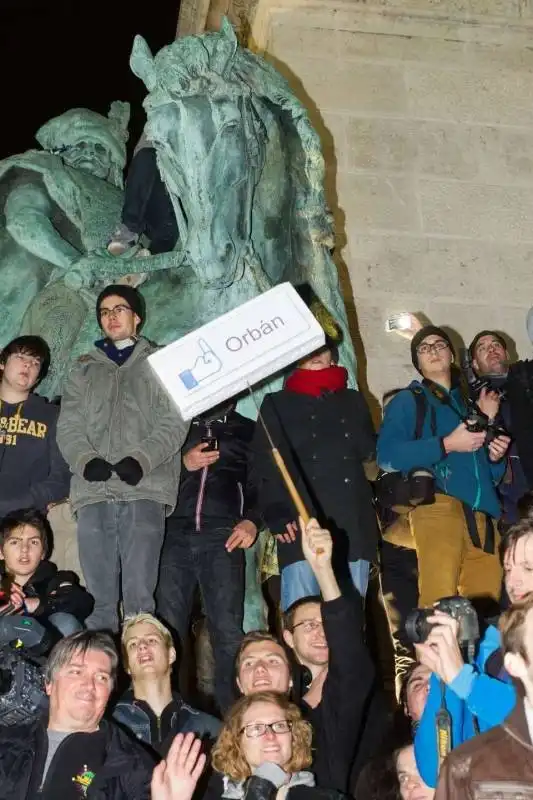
[121, 436]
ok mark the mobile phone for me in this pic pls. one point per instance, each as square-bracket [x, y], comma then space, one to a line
[398, 322]
[212, 443]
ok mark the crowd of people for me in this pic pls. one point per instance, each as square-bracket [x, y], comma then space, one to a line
[439, 499]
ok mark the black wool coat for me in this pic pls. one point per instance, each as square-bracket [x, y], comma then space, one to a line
[325, 442]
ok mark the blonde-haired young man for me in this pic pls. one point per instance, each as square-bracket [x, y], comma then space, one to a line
[149, 708]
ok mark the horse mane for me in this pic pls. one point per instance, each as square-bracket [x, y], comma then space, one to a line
[215, 60]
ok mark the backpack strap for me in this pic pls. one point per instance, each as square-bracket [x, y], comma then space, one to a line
[421, 404]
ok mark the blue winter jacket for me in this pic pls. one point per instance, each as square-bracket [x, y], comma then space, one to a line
[471, 694]
[470, 477]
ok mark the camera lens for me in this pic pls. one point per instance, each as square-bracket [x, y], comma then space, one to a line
[417, 627]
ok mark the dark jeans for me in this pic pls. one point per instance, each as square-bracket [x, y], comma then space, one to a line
[399, 584]
[147, 207]
[190, 558]
[115, 538]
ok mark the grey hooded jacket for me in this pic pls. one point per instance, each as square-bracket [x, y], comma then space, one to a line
[111, 412]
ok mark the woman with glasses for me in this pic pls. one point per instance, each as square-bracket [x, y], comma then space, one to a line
[264, 750]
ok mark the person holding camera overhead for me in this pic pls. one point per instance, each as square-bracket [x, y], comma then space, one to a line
[214, 520]
[511, 402]
[428, 429]
[477, 695]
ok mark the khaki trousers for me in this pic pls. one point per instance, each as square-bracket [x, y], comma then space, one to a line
[448, 562]
[65, 530]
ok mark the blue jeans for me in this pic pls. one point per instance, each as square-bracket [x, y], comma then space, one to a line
[190, 558]
[66, 624]
[120, 538]
[298, 580]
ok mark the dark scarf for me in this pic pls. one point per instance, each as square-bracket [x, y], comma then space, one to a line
[119, 356]
[317, 382]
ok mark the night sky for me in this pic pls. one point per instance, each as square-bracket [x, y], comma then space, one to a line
[60, 54]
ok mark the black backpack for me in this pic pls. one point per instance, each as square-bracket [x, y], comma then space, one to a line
[400, 493]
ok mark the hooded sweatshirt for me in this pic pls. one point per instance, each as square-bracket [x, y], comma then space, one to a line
[470, 477]
[33, 472]
[59, 591]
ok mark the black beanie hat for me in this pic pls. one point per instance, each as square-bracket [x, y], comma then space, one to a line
[480, 335]
[418, 338]
[132, 297]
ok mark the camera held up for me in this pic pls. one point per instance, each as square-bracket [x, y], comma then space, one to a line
[477, 421]
[418, 628]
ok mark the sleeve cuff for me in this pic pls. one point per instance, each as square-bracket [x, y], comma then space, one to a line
[143, 461]
[82, 462]
[462, 683]
[255, 518]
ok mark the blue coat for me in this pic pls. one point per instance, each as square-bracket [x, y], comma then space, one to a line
[471, 694]
[470, 477]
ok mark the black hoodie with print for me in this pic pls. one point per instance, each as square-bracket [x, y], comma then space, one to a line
[33, 473]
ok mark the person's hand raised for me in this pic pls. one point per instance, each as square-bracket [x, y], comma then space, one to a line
[176, 777]
[440, 652]
[317, 544]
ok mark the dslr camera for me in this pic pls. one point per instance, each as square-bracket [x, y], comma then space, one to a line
[477, 421]
[418, 628]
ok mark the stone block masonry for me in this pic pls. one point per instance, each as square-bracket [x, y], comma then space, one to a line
[426, 114]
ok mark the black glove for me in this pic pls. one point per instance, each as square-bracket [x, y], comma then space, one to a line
[97, 469]
[129, 470]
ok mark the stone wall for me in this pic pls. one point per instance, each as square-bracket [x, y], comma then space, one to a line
[426, 113]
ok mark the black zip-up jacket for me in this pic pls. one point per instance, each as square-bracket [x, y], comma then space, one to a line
[70, 598]
[33, 473]
[225, 491]
[137, 717]
[347, 728]
[125, 774]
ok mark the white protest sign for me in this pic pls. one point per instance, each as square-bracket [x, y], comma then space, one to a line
[240, 348]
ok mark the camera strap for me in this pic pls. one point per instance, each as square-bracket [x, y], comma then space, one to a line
[443, 397]
[443, 723]
[421, 405]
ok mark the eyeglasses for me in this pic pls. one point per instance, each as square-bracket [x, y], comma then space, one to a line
[309, 625]
[254, 730]
[113, 312]
[436, 347]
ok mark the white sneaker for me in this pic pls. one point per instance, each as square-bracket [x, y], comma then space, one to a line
[122, 240]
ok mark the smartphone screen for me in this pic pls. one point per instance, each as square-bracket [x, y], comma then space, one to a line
[212, 443]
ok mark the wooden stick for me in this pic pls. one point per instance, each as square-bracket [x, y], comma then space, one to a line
[291, 488]
[285, 474]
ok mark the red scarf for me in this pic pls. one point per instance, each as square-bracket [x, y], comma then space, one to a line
[317, 381]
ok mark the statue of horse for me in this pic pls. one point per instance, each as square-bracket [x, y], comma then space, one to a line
[245, 173]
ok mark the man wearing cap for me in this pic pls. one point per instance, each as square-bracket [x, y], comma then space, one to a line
[511, 405]
[122, 437]
[455, 536]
